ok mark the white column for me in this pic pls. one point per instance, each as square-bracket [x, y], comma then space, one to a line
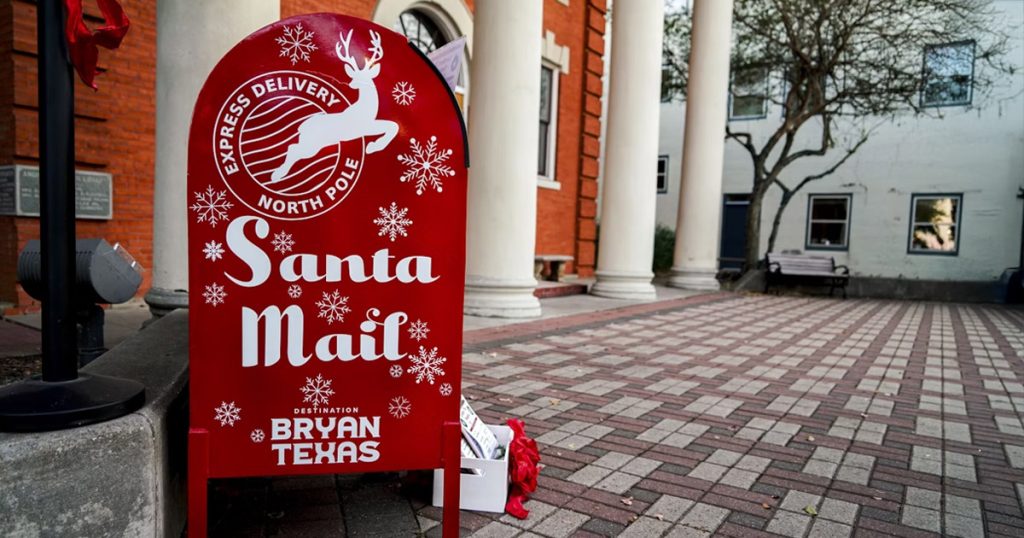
[629, 197]
[503, 136]
[698, 222]
[192, 36]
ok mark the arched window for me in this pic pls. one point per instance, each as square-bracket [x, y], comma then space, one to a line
[421, 30]
[428, 34]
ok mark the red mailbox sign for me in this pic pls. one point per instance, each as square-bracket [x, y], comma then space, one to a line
[326, 219]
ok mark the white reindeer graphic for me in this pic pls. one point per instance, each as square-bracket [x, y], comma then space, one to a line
[357, 121]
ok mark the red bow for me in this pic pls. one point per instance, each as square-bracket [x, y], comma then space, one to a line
[523, 457]
[83, 42]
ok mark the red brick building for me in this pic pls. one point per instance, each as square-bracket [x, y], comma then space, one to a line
[116, 126]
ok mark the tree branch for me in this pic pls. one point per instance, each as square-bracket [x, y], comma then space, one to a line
[744, 139]
[834, 167]
[820, 151]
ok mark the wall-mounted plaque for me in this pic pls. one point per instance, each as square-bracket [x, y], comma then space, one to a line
[19, 193]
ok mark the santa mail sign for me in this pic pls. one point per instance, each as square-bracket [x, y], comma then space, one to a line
[327, 188]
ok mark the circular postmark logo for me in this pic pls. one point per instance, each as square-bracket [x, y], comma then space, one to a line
[285, 146]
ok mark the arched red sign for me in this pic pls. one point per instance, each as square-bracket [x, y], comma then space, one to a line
[326, 217]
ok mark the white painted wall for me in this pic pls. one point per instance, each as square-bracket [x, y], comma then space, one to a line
[977, 151]
[670, 143]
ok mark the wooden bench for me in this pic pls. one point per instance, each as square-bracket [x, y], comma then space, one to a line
[803, 267]
[554, 262]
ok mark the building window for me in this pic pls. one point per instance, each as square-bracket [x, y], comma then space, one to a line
[948, 74]
[828, 221]
[427, 34]
[421, 31]
[935, 223]
[748, 96]
[662, 174]
[548, 113]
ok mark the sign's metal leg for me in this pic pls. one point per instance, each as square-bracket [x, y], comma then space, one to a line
[450, 438]
[198, 474]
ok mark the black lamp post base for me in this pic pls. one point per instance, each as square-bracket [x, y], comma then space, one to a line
[34, 405]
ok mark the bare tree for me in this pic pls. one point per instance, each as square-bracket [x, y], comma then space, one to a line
[837, 69]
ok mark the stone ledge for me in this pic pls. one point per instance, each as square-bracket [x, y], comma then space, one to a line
[124, 477]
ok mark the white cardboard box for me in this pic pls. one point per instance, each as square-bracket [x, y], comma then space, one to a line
[486, 491]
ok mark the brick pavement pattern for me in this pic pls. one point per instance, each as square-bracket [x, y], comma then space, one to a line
[760, 416]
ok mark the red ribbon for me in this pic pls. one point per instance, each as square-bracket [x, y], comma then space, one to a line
[83, 42]
[523, 458]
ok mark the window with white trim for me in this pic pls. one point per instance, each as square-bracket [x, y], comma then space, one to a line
[935, 223]
[662, 174]
[948, 74]
[548, 116]
[748, 94]
[828, 221]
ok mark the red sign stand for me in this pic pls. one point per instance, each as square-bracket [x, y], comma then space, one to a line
[327, 206]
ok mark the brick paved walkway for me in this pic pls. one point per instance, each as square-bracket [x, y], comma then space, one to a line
[754, 415]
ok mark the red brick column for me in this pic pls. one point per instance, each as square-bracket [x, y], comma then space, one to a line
[590, 139]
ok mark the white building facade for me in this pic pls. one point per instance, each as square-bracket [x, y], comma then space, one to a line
[927, 198]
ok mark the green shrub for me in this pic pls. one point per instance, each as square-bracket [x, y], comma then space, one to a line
[664, 246]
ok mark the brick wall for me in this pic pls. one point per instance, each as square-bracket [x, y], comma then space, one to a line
[589, 136]
[8, 231]
[114, 132]
[356, 8]
[556, 209]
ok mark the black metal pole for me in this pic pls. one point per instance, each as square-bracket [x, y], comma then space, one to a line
[57, 193]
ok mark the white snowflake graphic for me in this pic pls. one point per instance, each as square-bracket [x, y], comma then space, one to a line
[426, 365]
[418, 330]
[227, 414]
[283, 242]
[333, 307]
[214, 294]
[257, 436]
[399, 407]
[317, 391]
[426, 165]
[395, 371]
[445, 389]
[211, 206]
[403, 93]
[296, 44]
[393, 222]
[213, 251]
[295, 291]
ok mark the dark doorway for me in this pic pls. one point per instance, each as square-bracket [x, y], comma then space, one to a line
[734, 231]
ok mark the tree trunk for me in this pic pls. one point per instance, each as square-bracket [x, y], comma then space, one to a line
[753, 247]
[786, 197]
